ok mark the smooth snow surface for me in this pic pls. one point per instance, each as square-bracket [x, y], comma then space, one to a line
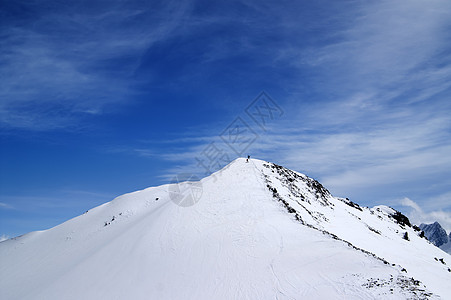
[240, 241]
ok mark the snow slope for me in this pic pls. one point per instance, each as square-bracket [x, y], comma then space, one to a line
[259, 231]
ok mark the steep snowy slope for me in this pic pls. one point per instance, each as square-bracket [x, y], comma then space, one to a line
[380, 230]
[259, 231]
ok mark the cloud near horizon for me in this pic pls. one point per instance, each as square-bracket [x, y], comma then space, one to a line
[417, 215]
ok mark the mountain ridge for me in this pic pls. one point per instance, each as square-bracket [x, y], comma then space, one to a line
[258, 230]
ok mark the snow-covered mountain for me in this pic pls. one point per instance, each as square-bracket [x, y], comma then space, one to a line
[258, 231]
[437, 235]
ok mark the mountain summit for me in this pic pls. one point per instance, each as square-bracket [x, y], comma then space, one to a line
[437, 235]
[253, 230]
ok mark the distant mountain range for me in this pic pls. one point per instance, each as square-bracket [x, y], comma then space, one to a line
[437, 236]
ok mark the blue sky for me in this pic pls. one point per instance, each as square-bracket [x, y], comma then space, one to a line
[101, 98]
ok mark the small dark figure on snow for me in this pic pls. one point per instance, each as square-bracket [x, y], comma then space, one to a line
[248, 157]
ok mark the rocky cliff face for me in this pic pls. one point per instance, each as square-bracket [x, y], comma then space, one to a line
[435, 233]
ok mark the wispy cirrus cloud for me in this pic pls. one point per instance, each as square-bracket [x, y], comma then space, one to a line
[396, 145]
[387, 48]
[60, 62]
[5, 205]
[382, 120]
[380, 82]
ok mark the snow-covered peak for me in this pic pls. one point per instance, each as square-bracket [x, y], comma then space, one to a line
[256, 230]
[435, 233]
[387, 210]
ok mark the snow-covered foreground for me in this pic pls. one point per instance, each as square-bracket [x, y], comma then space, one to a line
[259, 231]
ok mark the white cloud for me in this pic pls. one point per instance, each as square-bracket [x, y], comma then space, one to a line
[386, 43]
[417, 215]
[5, 205]
[3, 237]
[387, 120]
[59, 69]
[409, 203]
